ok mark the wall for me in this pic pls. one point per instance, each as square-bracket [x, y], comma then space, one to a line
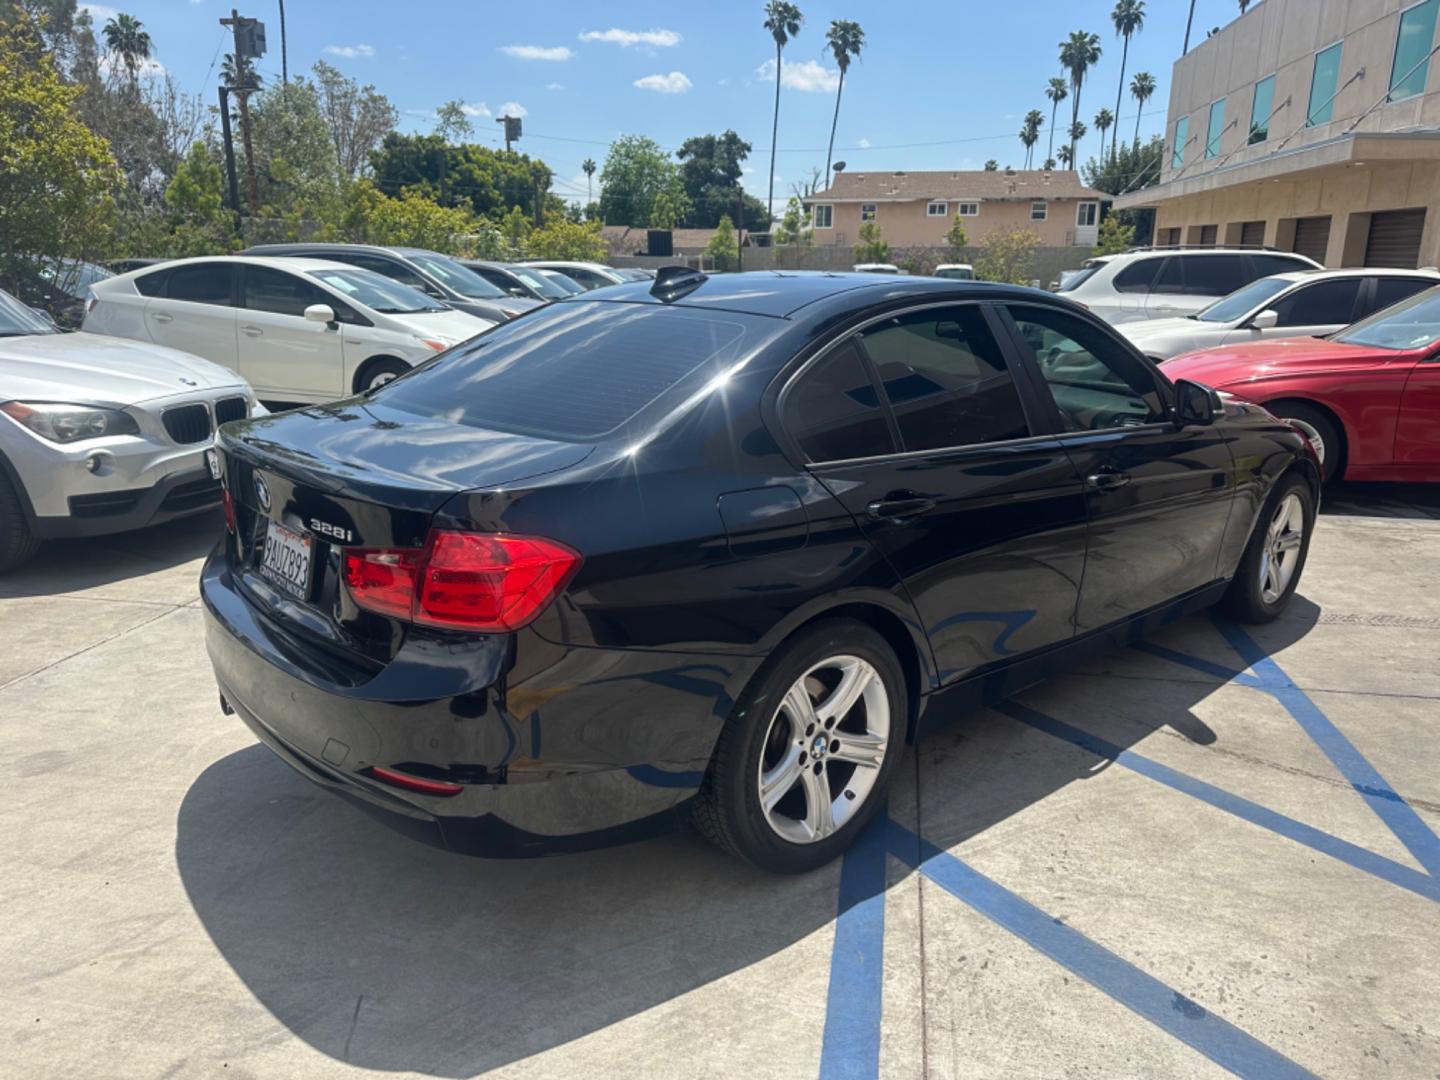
[907, 224]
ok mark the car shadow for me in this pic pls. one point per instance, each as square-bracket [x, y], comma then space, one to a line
[79, 565]
[390, 955]
[1350, 499]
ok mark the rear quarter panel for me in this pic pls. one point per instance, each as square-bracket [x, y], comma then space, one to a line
[1263, 449]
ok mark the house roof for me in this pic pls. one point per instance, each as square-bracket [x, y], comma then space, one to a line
[888, 185]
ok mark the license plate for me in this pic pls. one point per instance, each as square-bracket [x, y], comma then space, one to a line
[286, 559]
[212, 462]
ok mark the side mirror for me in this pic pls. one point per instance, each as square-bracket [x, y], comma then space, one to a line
[1266, 320]
[1195, 403]
[321, 313]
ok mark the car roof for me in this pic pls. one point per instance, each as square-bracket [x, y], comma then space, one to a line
[557, 264]
[781, 293]
[292, 248]
[294, 263]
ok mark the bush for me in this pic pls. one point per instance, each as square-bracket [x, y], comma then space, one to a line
[569, 240]
[723, 250]
[871, 249]
[1008, 255]
[1115, 237]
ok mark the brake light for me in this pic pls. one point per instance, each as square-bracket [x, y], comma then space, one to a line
[487, 582]
[229, 504]
[414, 783]
[91, 301]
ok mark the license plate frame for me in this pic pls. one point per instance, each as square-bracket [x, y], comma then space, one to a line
[287, 559]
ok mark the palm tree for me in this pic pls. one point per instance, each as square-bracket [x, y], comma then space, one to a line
[783, 20]
[1077, 53]
[846, 39]
[126, 38]
[1066, 156]
[1049, 165]
[1077, 132]
[588, 168]
[1104, 120]
[1129, 18]
[992, 165]
[1028, 139]
[1141, 87]
[1034, 121]
[1057, 93]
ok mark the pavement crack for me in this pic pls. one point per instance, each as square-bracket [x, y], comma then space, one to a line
[93, 645]
[354, 1021]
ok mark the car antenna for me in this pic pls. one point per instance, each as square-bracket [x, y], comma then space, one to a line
[673, 282]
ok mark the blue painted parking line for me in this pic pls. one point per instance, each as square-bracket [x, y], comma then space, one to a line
[1143, 994]
[1351, 854]
[851, 1045]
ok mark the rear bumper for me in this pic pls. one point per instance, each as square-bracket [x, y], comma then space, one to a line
[557, 749]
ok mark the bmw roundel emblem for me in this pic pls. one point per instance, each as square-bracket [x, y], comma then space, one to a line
[262, 492]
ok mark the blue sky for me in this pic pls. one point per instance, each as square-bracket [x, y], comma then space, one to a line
[942, 84]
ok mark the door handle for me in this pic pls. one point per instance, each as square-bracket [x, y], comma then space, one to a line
[252, 331]
[899, 505]
[160, 316]
[1107, 480]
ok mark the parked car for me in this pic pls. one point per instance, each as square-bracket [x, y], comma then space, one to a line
[437, 276]
[634, 273]
[1162, 282]
[876, 268]
[298, 330]
[955, 271]
[518, 281]
[564, 283]
[100, 435]
[587, 275]
[1367, 398]
[59, 287]
[1310, 303]
[725, 542]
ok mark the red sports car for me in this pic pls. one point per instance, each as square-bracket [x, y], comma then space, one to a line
[1368, 397]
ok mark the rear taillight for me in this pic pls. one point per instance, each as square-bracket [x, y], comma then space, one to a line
[485, 582]
[229, 504]
[414, 783]
[91, 301]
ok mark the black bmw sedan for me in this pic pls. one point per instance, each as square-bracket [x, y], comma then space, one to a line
[721, 544]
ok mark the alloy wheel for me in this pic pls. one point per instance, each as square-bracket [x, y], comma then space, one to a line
[1281, 554]
[380, 380]
[823, 750]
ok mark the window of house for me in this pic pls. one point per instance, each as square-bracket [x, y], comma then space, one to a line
[967, 209]
[1216, 129]
[1182, 132]
[824, 216]
[867, 211]
[1322, 86]
[937, 209]
[1260, 111]
[1412, 50]
[1037, 211]
[1086, 214]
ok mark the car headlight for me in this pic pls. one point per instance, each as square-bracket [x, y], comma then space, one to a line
[65, 423]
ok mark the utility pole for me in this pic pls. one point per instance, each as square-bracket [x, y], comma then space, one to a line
[512, 129]
[249, 44]
[229, 153]
[739, 228]
[284, 53]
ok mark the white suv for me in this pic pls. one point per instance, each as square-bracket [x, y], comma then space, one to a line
[1163, 282]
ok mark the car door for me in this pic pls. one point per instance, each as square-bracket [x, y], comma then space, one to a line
[282, 352]
[196, 314]
[1157, 493]
[1417, 433]
[983, 521]
[1321, 307]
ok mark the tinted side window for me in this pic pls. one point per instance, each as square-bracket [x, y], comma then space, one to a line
[1215, 275]
[1095, 381]
[205, 283]
[1171, 278]
[588, 278]
[1138, 276]
[393, 270]
[280, 293]
[1392, 290]
[1323, 303]
[945, 378]
[152, 284]
[834, 412]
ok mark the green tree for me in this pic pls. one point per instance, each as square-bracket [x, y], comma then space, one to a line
[710, 171]
[588, 168]
[358, 117]
[1142, 86]
[1077, 53]
[794, 230]
[992, 165]
[845, 39]
[636, 171]
[1129, 19]
[573, 241]
[412, 220]
[1104, 120]
[956, 239]
[1008, 255]
[483, 181]
[872, 248]
[1057, 92]
[783, 20]
[723, 250]
[1115, 237]
[1134, 167]
[127, 39]
[452, 123]
[667, 210]
[198, 223]
[298, 174]
[57, 177]
[516, 228]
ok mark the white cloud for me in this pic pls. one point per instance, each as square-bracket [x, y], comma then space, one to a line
[807, 75]
[512, 108]
[478, 109]
[554, 86]
[147, 69]
[674, 83]
[863, 143]
[99, 14]
[537, 52]
[659, 38]
[351, 52]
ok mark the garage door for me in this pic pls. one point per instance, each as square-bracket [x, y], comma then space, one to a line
[1312, 237]
[1395, 238]
[1252, 233]
[1209, 234]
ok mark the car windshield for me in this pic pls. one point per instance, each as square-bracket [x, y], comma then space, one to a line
[1410, 324]
[547, 288]
[378, 293]
[454, 276]
[17, 320]
[1069, 279]
[1242, 301]
[562, 282]
[577, 371]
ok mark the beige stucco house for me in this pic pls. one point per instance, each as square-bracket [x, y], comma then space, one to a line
[918, 208]
[1312, 126]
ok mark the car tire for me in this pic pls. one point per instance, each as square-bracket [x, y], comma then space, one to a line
[1322, 431]
[1274, 559]
[377, 373]
[807, 747]
[17, 542]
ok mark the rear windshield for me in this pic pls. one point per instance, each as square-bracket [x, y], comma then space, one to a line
[575, 371]
[1070, 279]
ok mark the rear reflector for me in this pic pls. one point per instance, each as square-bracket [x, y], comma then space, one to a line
[414, 783]
[229, 505]
[485, 582]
